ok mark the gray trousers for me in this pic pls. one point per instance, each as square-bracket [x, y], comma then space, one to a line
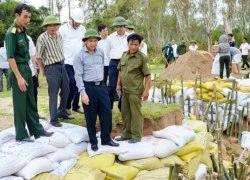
[5, 72]
[57, 79]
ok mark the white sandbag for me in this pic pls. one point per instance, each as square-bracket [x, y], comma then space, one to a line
[245, 140]
[27, 150]
[5, 136]
[189, 92]
[46, 125]
[78, 148]
[60, 155]
[201, 172]
[36, 166]
[58, 140]
[244, 102]
[244, 82]
[191, 102]
[154, 95]
[180, 135]
[225, 91]
[161, 147]
[138, 150]
[10, 164]
[105, 149]
[74, 132]
[63, 167]
[11, 178]
[11, 130]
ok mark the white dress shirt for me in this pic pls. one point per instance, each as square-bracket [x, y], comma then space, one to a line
[72, 41]
[32, 51]
[116, 45]
[244, 48]
[103, 44]
[174, 46]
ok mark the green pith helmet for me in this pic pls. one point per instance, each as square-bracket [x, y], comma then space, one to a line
[90, 33]
[51, 20]
[169, 44]
[120, 21]
[130, 25]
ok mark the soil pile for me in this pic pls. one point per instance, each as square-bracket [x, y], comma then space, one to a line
[188, 65]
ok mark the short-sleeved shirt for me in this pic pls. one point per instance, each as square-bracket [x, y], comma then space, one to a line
[49, 49]
[133, 69]
[17, 44]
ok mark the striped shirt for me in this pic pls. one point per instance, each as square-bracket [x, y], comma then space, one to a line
[49, 49]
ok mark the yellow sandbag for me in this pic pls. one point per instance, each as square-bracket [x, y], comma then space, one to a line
[205, 158]
[228, 85]
[190, 168]
[219, 95]
[47, 176]
[244, 89]
[188, 148]
[191, 116]
[175, 88]
[84, 154]
[213, 148]
[98, 161]
[171, 160]
[119, 171]
[205, 97]
[157, 174]
[202, 138]
[84, 173]
[210, 86]
[223, 100]
[188, 157]
[145, 164]
[197, 126]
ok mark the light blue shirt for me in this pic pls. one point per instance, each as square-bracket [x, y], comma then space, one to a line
[88, 67]
[4, 64]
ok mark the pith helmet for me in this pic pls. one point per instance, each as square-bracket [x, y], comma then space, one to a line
[120, 21]
[90, 33]
[51, 20]
[77, 15]
[130, 25]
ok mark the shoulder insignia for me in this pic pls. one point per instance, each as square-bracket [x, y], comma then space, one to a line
[13, 30]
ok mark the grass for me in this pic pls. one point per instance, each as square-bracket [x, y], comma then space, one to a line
[149, 110]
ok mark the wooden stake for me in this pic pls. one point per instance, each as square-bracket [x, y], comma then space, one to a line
[225, 113]
[196, 111]
[162, 95]
[201, 97]
[215, 167]
[230, 109]
[153, 100]
[220, 160]
[240, 126]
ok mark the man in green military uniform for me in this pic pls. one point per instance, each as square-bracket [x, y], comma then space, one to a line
[133, 69]
[17, 45]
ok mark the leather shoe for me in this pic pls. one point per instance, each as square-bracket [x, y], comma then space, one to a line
[111, 143]
[122, 139]
[44, 133]
[94, 147]
[57, 124]
[25, 139]
[78, 111]
[132, 141]
[68, 111]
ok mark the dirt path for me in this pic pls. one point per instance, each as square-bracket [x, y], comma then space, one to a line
[6, 113]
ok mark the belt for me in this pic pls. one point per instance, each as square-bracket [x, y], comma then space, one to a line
[116, 59]
[98, 83]
[22, 63]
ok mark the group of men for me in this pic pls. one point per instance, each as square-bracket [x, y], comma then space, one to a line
[77, 65]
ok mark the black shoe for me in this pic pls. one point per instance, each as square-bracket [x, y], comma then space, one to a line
[25, 139]
[133, 141]
[44, 133]
[94, 147]
[56, 124]
[122, 139]
[111, 143]
[66, 117]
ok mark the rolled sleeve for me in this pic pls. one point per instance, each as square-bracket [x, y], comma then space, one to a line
[78, 68]
[10, 45]
[39, 48]
[145, 66]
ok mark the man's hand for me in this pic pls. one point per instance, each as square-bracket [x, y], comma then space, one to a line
[43, 72]
[22, 84]
[118, 90]
[145, 95]
[85, 99]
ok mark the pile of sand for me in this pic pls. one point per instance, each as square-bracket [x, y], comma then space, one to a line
[188, 65]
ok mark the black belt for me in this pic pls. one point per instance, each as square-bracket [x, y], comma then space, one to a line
[98, 83]
[116, 59]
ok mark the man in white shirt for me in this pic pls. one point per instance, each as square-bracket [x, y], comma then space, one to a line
[72, 34]
[245, 51]
[193, 47]
[116, 45]
[103, 32]
[174, 46]
[4, 66]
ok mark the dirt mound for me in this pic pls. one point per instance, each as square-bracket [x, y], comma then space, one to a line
[188, 65]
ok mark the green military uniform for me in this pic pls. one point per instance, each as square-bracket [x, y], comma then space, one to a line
[133, 69]
[25, 111]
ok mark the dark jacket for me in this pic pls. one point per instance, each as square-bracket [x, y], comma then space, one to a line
[181, 49]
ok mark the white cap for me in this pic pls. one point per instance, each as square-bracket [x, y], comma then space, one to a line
[77, 15]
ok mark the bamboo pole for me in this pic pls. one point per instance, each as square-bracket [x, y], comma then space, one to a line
[196, 111]
[235, 170]
[166, 92]
[225, 113]
[244, 173]
[240, 170]
[153, 96]
[240, 125]
[247, 116]
[232, 158]
[226, 175]
[230, 109]
[170, 93]
[189, 108]
[201, 97]
[233, 125]
[220, 160]
[162, 95]
[206, 114]
[231, 173]
[215, 167]
[182, 95]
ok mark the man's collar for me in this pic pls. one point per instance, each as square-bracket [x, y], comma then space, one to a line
[136, 54]
[86, 49]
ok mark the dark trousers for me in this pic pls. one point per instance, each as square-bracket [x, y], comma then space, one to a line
[224, 60]
[25, 111]
[5, 72]
[73, 98]
[113, 76]
[244, 59]
[57, 79]
[106, 73]
[99, 104]
[36, 85]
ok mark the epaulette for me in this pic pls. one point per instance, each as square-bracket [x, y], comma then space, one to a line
[13, 30]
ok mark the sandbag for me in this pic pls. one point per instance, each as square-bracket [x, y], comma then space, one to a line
[78, 148]
[219, 95]
[175, 88]
[171, 160]
[47, 176]
[5, 136]
[10, 164]
[190, 168]
[11, 178]
[178, 134]
[36, 166]
[145, 164]
[245, 140]
[244, 82]
[157, 174]
[63, 167]
[60, 155]
[210, 86]
[244, 89]
[188, 157]
[74, 132]
[83, 172]
[201, 172]
[27, 150]
[119, 171]
[205, 97]
[190, 147]
[98, 161]
[197, 126]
